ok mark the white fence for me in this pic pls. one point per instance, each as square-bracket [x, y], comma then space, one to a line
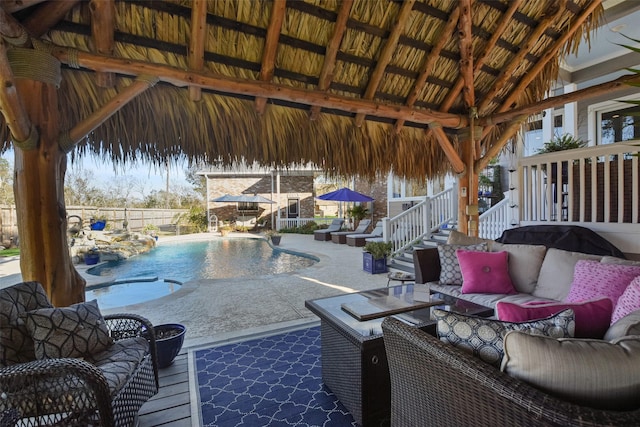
[596, 184]
[495, 220]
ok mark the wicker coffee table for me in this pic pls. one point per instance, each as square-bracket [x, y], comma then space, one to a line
[354, 363]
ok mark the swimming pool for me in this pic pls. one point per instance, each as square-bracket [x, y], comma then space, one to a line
[207, 259]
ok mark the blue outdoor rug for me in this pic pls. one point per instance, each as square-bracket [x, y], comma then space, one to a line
[271, 381]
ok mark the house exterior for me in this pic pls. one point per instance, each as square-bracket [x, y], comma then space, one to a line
[291, 191]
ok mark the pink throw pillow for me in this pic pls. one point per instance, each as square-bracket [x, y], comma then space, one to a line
[592, 317]
[628, 302]
[485, 272]
[593, 279]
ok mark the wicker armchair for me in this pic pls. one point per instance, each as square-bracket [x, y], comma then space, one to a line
[436, 384]
[104, 389]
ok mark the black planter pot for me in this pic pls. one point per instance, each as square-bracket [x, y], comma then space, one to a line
[169, 347]
[276, 240]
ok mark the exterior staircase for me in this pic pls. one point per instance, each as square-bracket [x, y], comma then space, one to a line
[403, 262]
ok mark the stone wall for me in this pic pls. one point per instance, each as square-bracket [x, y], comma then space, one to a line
[378, 191]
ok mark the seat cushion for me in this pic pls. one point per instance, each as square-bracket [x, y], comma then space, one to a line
[120, 360]
[16, 345]
[483, 337]
[75, 331]
[628, 325]
[593, 373]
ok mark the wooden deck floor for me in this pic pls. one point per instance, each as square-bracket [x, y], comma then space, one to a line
[171, 406]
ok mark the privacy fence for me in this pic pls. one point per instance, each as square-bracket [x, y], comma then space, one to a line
[136, 218]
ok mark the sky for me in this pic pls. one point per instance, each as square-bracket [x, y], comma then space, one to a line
[154, 179]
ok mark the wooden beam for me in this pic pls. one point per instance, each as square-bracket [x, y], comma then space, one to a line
[497, 146]
[429, 63]
[549, 54]
[505, 21]
[11, 28]
[516, 61]
[102, 33]
[179, 77]
[456, 162]
[270, 47]
[99, 116]
[387, 52]
[465, 40]
[195, 55]
[12, 6]
[47, 15]
[14, 112]
[326, 75]
[611, 87]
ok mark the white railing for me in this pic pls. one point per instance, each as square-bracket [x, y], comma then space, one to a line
[495, 220]
[299, 222]
[597, 184]
[420, 221]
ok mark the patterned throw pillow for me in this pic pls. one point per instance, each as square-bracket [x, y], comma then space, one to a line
[75, 331]
[593, 279]
[450, 273]
[629, 301]
[484, 337]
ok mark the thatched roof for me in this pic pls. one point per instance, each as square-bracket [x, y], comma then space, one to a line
[349, 85]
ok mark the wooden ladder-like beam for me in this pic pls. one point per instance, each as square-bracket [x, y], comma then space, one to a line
[270, 47]
[103, 35]
[195, 54]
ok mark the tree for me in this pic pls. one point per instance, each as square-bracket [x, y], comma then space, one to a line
[199, 182]
[6, 182]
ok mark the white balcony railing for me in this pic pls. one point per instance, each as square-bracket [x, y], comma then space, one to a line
[596, 184]
[495, 220]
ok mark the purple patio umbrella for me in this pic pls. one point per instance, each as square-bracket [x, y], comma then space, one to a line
[345, 195]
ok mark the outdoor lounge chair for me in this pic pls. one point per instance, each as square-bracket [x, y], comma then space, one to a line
[341, 236]
[325, 233]
[359, 239]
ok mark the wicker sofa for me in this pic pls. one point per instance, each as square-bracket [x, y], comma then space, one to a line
[436, 384]
[90, 370]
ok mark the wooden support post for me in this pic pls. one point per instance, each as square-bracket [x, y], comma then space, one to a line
[14, 112]
[39, 195]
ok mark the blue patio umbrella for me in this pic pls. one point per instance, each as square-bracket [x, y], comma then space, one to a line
[345, 195]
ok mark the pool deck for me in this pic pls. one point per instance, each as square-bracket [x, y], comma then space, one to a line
[222, 309]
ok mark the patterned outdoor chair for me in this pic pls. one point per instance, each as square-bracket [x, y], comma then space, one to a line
[71, 366]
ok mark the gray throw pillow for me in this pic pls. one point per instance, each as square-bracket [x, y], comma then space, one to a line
[484, 337]
[450, 273]
[75, 331]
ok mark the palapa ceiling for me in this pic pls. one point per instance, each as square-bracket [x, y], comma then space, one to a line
[351, 86]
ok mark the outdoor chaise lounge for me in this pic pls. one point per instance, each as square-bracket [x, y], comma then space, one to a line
[325, 234]
[359, 239]
[341, 236]
[71, 366]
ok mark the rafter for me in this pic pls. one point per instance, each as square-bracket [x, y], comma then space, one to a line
[456, 162]
[497, 146]
[505, 21]
[270, 47]
[386, 54]
[47, 15]
[11, 28]
[195, 54]
[326, 75]
[102, 34]
[466, 53]
[516, 61]
[179, 77]
[427, 66]
[619, 84]
[548, 55]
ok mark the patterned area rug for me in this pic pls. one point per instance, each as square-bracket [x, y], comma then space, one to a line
[271, 381]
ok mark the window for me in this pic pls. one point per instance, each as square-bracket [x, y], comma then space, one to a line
[620, 125]
[247, 206]
[533, 137]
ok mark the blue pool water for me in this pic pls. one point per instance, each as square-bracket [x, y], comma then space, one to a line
[208, 259]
